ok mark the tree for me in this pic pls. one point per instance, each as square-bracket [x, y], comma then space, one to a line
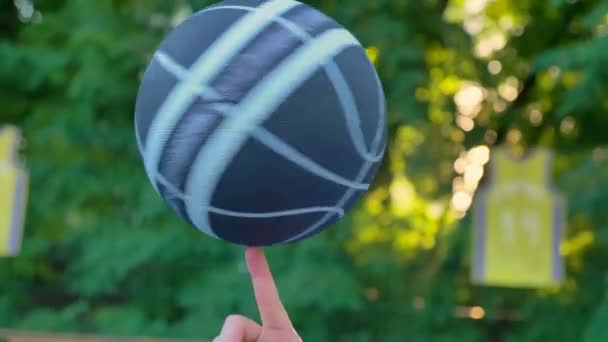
[103, 254]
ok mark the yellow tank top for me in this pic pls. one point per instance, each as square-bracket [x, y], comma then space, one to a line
[13, 189]
[518, 219]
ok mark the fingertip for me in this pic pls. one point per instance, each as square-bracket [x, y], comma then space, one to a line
[253, 251]
[249, 251]
[255, 259]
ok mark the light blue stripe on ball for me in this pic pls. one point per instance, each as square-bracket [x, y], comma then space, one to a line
[340, 85]
[261, 125]
[257, 106]
[208, 65]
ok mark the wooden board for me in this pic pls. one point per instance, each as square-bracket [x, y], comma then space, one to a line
[20, 336]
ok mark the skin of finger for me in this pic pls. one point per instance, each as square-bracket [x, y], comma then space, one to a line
[267, 297]
[239, 329]
[289, 335]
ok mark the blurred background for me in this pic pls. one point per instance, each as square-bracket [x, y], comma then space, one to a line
[102, 254]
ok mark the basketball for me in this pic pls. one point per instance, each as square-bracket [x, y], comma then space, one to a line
[260, 122]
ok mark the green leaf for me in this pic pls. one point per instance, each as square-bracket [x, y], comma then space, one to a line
[597, 330]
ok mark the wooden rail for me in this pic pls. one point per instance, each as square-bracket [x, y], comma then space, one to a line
[21, 336]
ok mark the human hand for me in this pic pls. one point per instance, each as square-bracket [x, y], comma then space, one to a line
[276, 325]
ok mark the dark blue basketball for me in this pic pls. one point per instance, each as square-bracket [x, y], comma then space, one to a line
[260, 122]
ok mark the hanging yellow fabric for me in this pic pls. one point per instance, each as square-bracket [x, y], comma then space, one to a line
[518, 223]
[13, 192]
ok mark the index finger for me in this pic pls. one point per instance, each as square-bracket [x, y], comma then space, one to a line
[267, 297]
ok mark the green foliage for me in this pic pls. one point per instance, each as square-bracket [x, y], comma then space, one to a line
[597, 329]
[103, 254]
[587, 59]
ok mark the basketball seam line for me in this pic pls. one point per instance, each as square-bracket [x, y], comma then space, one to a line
[180, 72]
[345, 96]
[365, 167]
[221, 51]
[226, 212]
[264, 136]
[260, 103]
[295, 29]
[352, 116]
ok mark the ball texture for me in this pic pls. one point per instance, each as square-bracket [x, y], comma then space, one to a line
[260, 122]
